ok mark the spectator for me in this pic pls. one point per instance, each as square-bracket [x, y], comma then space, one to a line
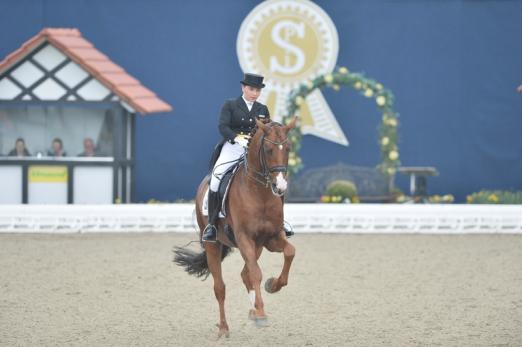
[19, 150]
[89, 149]
[57, 149]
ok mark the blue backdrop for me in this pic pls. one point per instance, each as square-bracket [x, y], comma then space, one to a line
[453, 66]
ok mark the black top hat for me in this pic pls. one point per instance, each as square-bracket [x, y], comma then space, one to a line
[253, 80]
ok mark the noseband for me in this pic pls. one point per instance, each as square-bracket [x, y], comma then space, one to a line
[264, 175]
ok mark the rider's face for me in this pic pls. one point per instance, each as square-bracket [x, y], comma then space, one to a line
[250, 93]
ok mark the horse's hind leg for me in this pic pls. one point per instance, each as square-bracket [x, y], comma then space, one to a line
[213, 251]
[280, 244]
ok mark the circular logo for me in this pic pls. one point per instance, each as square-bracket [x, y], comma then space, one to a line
[287, 41]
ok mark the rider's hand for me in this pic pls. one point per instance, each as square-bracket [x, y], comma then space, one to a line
[242, 140]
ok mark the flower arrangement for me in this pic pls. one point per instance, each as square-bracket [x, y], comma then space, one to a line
[369, 88]
[495, 197]
[341, 191]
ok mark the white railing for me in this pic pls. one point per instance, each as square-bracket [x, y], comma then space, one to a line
[305, 218]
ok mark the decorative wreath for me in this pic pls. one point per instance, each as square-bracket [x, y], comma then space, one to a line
[369, 88]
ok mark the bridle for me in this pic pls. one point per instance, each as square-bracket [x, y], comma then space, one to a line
[263, 177]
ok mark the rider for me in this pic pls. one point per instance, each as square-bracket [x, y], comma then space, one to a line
[236, 121]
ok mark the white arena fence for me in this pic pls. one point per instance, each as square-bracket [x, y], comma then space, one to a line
[305, 218]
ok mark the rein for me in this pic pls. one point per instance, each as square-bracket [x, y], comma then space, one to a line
[264, 175]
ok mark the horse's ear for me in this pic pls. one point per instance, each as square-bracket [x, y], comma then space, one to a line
[260, 125]
[291, 125]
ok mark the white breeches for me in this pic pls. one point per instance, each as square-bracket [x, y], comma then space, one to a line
[229, 155]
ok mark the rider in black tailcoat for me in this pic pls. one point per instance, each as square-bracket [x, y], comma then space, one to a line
[236, 121]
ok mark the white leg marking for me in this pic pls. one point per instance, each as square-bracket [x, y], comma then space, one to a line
[252, 296]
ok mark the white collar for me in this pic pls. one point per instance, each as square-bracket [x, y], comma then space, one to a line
[248, 103]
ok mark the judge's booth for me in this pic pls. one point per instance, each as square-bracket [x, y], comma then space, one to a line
[67, 123]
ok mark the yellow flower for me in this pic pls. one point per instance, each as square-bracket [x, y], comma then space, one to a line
[343, 70]
[292, 162]
[357, 85]
[368, 93]
[401, 198]
[336, 87]
[391, 122]
[310, 84]
[355, 200]
[391, 171]
[493, 198]
[448, 198]
[393, 155]
[325, 198]
[381, 100]
[328, 78]
[378, 86]
[469, 199]
[299, 100]
[385, 140]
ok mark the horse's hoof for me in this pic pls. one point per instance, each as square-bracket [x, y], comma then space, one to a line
[252, 314]
[268, 285]
[223, 332]
[261, 322]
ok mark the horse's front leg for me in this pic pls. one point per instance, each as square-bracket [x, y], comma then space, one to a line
[250, 253]
[213, 251]
[280, 244]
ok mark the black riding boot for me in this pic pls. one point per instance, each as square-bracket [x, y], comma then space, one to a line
[288, 233]
[210, 232]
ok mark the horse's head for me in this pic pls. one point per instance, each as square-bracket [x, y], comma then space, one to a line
[270, 147]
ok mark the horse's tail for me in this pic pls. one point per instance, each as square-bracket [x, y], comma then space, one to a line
[196, 263]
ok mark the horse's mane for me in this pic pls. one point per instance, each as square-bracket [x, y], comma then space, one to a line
[265, 121]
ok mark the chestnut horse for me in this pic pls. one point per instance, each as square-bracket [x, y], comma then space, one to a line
[254, 212]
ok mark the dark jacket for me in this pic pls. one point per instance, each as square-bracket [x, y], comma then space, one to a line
[12, 153]
[235, 118]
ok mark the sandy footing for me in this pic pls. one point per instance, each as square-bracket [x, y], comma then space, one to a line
[360, 290]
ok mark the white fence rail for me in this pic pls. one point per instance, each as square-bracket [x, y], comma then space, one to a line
[331, 218]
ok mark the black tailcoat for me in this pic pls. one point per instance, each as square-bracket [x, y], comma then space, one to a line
[235, 117]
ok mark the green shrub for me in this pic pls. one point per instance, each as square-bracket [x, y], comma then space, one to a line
[495, 197]
[344, 189]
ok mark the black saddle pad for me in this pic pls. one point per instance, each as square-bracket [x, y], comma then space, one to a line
[226, 179]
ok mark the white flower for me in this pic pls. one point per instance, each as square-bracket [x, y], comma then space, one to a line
[368, 93]
[328, 78]
[393, 155]
[343, 70]
[381, 100]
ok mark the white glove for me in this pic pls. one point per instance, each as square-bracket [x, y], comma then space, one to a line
[242, 140]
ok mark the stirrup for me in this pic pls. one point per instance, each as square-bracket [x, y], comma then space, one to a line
[209, 234]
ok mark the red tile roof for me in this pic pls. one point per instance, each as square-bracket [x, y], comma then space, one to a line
[71, 43]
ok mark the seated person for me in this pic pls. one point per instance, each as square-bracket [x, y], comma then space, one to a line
[19, 150]
[89, 149]
[57, 149]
